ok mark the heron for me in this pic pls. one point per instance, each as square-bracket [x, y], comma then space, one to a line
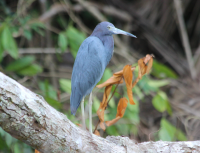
[92, 58]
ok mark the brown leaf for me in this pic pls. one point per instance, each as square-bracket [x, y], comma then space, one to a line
[143, 67]
[112, 80]
[147, 58]
[149, 66]
[128, 76]
[97, 133]
[36, 151]
[121, 108]
[104, 103]
[120, 73]
[102, 126]
[78, 124]
[115, 79]
[109, 123]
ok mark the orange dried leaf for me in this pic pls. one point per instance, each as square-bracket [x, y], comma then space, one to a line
[36, 151]
[102, 126]
[109, 123]
[142, 67]
[128, 76]
[104, 103]
[110, 81]
[120, 73]
[78, 124]
[106, 95]
[149, 66]
[147, 58]
[121, 108]
[97, 133]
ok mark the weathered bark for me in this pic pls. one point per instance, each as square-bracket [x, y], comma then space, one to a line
[28, 117]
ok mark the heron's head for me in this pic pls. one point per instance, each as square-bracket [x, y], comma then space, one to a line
[107, 28]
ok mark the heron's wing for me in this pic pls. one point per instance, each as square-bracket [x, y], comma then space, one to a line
[87, 71]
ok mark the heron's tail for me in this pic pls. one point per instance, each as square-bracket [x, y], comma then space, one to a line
[75, 100]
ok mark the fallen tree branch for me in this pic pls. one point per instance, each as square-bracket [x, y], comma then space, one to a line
[29, 118]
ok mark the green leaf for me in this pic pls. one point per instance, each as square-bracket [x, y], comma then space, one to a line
[161, 71]
[65, 85]
[20, 63]
[47, 90]
[62, 41]
[54, 103]
[95, 104]
[2, 132]
[143, 83]
[137, 92]
[169, 109]
[17, 148]
[37, 24]
[132, 111]
[8, 138]
[160, 101]
[9, 43]
[107, 74]
[30, 70]
[112, 103]
[111, 130]
[1, 51]
[169, 133]
[75, 38]
[27, 34]
[158, 83]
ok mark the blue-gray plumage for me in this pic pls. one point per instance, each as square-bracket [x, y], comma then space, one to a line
[92, 58]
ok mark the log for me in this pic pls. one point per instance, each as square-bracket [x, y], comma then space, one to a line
[29, 118]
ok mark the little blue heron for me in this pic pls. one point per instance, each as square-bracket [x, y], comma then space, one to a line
[92, 58]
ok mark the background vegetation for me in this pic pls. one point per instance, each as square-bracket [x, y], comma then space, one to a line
[39, 40]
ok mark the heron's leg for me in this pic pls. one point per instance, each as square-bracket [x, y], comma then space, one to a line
[83, 113]
[90, 113]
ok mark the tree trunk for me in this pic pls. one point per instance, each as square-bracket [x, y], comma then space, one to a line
[29, 118]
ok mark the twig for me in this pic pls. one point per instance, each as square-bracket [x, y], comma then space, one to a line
[185, 39]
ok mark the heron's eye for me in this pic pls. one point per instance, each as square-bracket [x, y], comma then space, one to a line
[108, 27]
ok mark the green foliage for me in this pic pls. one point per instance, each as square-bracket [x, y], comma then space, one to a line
[106, 75]
[7, 41]
[71, 38]
[62, 41]
[162, 71]
[170, 133]
[24, 66]
[20, 63]
[75, 38]
[10, 144]
[47, 89]
[50, 94]
[65, 85]
[30, 70]
[161, 103]
[29, 26]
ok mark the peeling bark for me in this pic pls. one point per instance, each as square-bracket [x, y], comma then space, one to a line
[29, 118]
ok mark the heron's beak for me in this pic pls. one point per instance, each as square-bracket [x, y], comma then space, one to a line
[118, 31]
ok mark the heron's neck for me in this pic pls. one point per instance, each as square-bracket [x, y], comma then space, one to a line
[108, 43]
